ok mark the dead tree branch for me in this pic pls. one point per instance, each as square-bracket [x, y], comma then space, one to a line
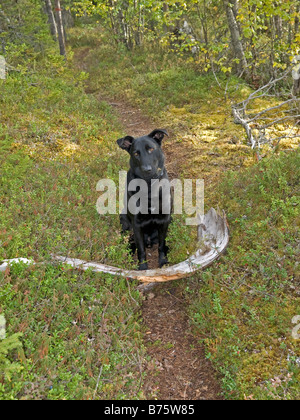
[257, 124]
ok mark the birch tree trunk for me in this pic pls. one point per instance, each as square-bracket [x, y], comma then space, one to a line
[296, 85]
[139, 30]
[51, 19]
[60, 28]
[231, 7]
[296, 25]
[278, 26]
[166, 11]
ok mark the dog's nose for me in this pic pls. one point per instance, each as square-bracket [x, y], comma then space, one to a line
[147, 169]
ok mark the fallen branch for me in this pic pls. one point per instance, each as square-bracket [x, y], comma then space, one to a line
[239, 120]
[256, 125]
[213, 235]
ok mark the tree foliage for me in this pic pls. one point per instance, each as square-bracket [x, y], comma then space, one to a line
[267, 32]
[252, 38]
[24, 33]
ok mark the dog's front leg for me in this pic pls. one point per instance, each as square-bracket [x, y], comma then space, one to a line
[162, 248]
[140, 244]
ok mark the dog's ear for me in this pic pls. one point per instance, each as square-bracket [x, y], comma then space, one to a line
[158, 135]
[125, 143]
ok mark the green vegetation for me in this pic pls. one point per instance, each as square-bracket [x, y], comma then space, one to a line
[76, 335]
[243, 306]
[80, 334]
[56, 144]
[69, 335]
[252, 38]
[7, 368]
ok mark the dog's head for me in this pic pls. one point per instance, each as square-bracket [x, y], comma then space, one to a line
[147, 159]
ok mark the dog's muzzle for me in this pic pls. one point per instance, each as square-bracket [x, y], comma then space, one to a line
[147, 169]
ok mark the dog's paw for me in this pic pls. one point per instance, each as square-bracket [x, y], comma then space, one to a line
[163, 260]
[143, 267]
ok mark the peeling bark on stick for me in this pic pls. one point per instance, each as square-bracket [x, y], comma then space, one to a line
[239, 120]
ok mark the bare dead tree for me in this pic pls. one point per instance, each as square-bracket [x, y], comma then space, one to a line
[258, 125]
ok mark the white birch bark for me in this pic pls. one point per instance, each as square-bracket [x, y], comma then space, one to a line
[51, 19]
[60, 28]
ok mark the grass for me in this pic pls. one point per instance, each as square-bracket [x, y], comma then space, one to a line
[57, 146]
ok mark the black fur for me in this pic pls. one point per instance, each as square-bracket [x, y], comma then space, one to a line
[147, 162]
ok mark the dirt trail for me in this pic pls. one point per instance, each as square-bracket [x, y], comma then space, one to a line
[184, 372]
[178, 368]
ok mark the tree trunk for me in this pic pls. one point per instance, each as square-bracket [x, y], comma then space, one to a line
[60, 28]
[278, 26]
[139, 31]
[296, 26]
[51, 19]
[165, 11]
[231, 7]
[296, 88]
[296, 85]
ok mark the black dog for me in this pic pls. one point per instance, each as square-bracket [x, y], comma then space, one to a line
[147, 162]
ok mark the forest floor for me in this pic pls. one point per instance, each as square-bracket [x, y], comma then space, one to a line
[178, 368]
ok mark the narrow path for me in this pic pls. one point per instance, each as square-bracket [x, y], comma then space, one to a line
[184, 372]
[178, 368]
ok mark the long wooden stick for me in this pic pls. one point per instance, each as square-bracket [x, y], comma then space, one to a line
[213, 235]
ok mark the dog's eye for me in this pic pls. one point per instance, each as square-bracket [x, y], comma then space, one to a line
[151, 150]
[136, 154]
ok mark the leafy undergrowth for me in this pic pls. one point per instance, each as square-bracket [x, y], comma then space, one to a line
[56, 144]
[81, 338]
[69, 335]
[244, 305]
